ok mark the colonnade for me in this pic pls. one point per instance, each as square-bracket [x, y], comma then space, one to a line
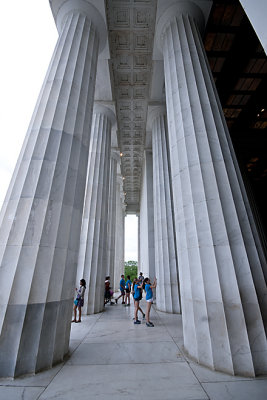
[207, 251]
[63, 216]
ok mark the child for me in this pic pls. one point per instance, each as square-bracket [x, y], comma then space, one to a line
[149, 298]
[122, 289]
[78, 302]
[139, 308]
[128, 290]
[137, 297]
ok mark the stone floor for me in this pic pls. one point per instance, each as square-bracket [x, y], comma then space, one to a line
[111, 358]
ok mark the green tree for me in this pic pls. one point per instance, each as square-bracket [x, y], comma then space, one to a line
[130, 268]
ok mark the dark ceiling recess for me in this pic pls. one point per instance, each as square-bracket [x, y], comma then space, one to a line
[239, 67]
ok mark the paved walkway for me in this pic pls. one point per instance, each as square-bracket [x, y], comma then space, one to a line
[113, 359]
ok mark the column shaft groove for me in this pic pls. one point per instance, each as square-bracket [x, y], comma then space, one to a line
[41, 217]
[212, 226]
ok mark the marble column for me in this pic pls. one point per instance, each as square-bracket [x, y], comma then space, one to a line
[146, 220]
[168, 296]
[115, 158]
[93, 242]
[220, 272]
[41, 217]
[119, 232]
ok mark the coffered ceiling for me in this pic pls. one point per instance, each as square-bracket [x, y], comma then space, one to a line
[131, 28]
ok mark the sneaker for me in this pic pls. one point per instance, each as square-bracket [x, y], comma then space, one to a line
[137, 322]
[149, 324]
[144, 316]
[123, 302]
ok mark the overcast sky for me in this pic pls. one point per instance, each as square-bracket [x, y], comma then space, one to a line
[27, 39]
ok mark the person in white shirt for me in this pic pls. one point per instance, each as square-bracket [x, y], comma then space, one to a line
[78, 302]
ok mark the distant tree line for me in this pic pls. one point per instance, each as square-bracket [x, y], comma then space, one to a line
[130, 268]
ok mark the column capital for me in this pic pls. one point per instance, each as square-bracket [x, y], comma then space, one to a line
[108, 112]
[198, 9]
[61, 8]
[153, 112]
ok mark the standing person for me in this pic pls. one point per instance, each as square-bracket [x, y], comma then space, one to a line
[137, 297]
[128, 290]
[141, 277]
[78, 302]
[122, 289]
[139, 308]
[149, 298]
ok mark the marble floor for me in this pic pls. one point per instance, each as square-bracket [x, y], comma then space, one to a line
[111, 358]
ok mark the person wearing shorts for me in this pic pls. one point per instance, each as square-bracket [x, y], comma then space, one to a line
[128, 290]
[139, 308]
[122, 289]
[78, 302]
[137, 297]
[149, 299]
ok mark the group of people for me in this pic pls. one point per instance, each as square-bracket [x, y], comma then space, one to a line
[126, 288]
[136, 288]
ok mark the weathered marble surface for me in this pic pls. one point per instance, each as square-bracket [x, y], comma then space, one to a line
[41, 216]
[219, 264]
[111, 354]
[166, 268]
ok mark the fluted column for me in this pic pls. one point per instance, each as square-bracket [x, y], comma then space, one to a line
[165, 252]
[115, 158]
[93, 242]
[119, 232]
[146, 220]
[218, 260]
[41, 217]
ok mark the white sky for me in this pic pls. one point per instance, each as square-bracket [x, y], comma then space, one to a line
[27, 39]
[131, 242]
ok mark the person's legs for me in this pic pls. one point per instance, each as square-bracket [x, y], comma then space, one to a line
[80, 313]
[140, 309]
[148, 307]
[75, 313]
[121, 295]
[136, 306]
[116, 300]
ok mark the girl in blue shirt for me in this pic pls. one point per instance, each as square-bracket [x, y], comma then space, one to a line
[128, 285]
[137, 287]
[149, 298]
[122, 289]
